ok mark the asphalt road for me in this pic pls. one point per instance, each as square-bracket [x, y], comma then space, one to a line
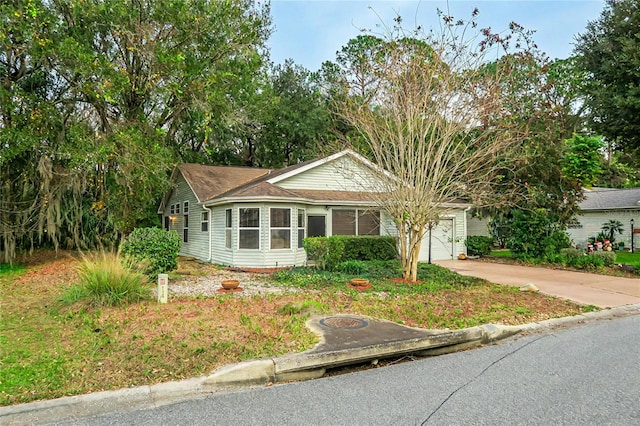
[575, 376]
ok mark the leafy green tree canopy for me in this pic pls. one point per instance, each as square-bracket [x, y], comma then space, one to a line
[582, 159]
[100, 98]
[609, 53]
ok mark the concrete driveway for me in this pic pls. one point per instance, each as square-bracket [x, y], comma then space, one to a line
[587, 289]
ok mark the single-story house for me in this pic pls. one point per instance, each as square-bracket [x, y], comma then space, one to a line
[603, 204]
[253, 217]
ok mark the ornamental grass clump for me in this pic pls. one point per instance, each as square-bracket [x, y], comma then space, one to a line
[107, 280]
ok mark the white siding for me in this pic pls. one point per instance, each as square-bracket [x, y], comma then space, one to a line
[198, 244]
[342, 174]
[478, 226]
[263, 257]
[447, 239]
[219, 253]
[387, 225]
[591, 225]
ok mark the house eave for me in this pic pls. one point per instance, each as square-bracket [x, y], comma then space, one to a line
[280, 200]
[321, 161]
[309, 201]
[608, 209]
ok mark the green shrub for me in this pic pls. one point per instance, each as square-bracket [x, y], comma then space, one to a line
[558, 258]
[555, 242]
[327, 252]
[106, 280]
[608, 257]
[324, 252]
[155, 246]
[478, 245]
[534, 234]
[572, 253]
[368, 247]
[587, 262]
[351, 267]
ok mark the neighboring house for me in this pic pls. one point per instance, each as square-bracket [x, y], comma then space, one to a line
[602, 205]
[251, 217]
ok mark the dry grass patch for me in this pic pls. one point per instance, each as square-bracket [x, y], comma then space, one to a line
[48, 351]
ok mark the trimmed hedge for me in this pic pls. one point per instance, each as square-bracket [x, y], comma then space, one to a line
[478, 245]
[325, 252]
[328, 252]
[153, 245]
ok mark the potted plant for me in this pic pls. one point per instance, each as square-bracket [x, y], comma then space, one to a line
[359, 284]
[230, 284]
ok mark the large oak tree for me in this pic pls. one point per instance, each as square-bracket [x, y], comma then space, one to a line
[102, 97]
[609, 53]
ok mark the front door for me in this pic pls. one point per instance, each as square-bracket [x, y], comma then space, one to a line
[317, 226]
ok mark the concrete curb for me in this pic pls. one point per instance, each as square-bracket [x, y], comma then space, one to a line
[292, 367]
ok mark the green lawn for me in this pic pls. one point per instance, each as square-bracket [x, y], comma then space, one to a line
[6, 269]
[628, 258]
[501, 253]
[50, 348]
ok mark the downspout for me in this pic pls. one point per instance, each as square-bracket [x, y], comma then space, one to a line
[464, 222]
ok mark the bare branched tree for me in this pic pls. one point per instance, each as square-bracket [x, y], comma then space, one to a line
[429, 124]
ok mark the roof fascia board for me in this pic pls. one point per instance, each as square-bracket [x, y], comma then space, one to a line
[608, 209]
[302, 200]
[326, 160]
[163, 203]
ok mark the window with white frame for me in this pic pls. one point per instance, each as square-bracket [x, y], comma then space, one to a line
[280, 228]
[227, 228]
[177, 208]
[185, 228]
[173, 209]
[249, 228]
[301, 226]
[185, 208]
[204, 221]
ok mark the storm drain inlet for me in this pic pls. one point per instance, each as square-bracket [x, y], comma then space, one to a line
[343, 323]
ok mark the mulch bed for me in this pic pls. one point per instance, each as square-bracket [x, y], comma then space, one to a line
[230, 290]
[360, 287]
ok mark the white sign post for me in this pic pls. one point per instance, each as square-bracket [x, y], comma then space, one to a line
[163, 288]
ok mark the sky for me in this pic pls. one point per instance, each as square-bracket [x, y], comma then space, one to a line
[311, 31]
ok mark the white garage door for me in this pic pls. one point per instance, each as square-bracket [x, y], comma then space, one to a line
[442, 242]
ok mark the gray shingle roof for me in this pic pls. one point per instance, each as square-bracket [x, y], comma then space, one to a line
[611, 199]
